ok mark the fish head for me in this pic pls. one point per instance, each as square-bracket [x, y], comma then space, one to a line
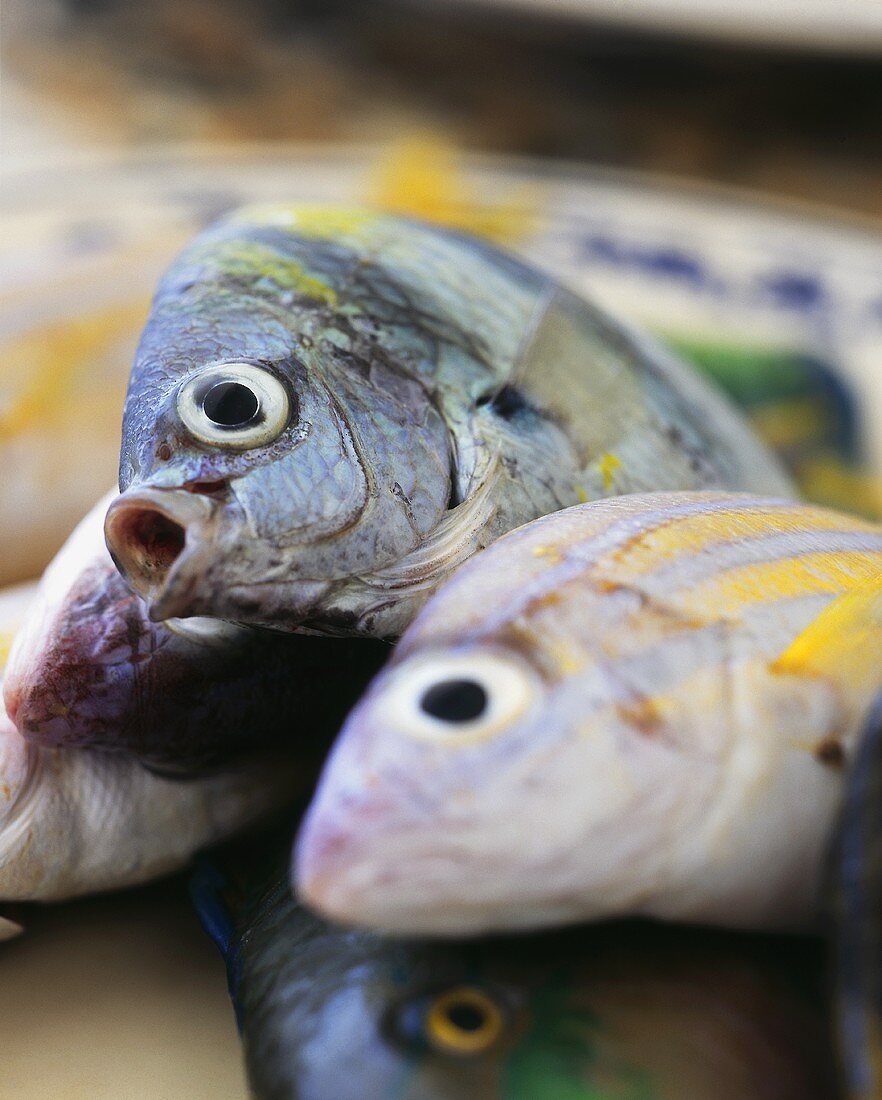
[282, 432]
[325, 1012]
[449, 803]
[510, 767]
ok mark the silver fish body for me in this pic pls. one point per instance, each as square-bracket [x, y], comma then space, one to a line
[635, 706]
[330, 410]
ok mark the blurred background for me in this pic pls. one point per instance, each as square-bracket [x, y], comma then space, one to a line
[709, 168]
[784, 98]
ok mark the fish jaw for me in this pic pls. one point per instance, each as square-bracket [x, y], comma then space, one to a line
[159, 539]
[198, 570]
[188, 554]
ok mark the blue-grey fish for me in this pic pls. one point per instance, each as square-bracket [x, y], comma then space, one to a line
[635, 706]
[90, 669]
[330, 410]
[616, 1012]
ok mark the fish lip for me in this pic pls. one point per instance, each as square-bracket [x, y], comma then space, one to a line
[157, 539]
[343, 888]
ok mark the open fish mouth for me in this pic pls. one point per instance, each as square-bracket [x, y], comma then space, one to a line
[156, 538]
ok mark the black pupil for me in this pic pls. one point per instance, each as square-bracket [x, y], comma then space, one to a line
[466, 1017]
[230, 404]
[455, 701]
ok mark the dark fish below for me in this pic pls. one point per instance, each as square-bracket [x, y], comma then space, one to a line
[330, 410]
[616, 1012]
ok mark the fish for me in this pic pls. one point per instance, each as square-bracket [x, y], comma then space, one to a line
[79, 821]
[638, 706]
[90, 669]
[331, 409]
[854, 916]
[628, 1011]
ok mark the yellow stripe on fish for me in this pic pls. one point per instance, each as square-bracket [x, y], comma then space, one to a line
[703, 531]
[782, 579]
[844, 641]
[765, 567]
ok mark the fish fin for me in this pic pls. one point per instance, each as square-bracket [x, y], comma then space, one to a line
[209, 889]
[844, 642]
[573, 364]
[454, 540]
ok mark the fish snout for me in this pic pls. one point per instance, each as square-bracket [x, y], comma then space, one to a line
[151, 535]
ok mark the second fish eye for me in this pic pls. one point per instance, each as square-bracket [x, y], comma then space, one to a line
[459, 700]
[463, 1021]
[235, 405]
[455, 698]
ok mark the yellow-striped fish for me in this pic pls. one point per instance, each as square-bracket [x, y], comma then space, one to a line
[640, 705]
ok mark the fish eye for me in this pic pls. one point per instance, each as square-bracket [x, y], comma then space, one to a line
[464, 1020]
[230, 404]
[458, 696]
[454, 700]
[238, 405]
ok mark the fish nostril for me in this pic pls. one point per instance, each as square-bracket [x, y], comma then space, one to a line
[145, 543]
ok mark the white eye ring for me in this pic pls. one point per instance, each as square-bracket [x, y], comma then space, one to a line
[458, 697]
[237, 405]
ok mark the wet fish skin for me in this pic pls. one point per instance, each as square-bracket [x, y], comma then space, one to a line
[667, 686]
[89, 668]
[627, 1011]
[440, 393]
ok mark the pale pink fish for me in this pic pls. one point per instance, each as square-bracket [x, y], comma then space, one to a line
[634, 706]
